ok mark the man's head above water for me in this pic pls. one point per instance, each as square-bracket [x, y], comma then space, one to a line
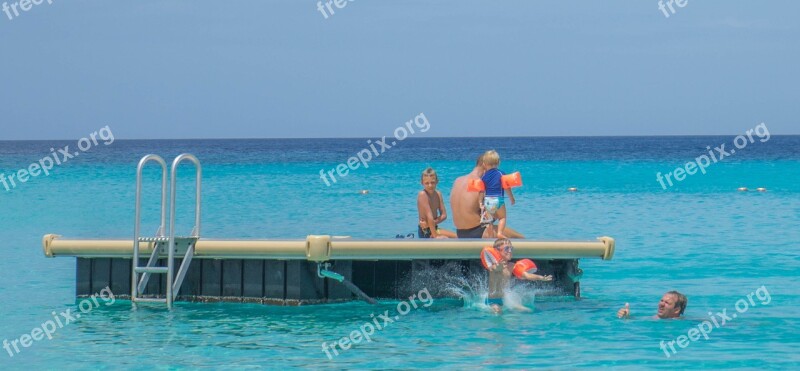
[671, 305]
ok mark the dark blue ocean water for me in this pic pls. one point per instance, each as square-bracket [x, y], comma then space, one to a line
[700, 236]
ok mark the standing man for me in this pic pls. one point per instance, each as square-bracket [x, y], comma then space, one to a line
[466, 208]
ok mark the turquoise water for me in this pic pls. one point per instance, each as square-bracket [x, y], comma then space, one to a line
[701, 237]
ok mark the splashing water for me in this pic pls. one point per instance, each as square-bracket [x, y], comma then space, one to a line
[453, 280]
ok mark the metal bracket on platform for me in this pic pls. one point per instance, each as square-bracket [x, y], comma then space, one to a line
[324, 272]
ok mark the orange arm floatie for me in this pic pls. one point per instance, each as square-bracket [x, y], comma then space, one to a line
[490, 257]
[522, 266]
[475, 185]
[511, 180]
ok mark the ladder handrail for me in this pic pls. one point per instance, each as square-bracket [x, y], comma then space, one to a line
[137, 212]
[195, 230]
[173, 180]
[172, 287]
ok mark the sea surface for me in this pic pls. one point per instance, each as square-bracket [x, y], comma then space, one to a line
[731, 252]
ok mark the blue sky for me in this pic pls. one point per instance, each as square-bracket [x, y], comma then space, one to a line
[275, 69]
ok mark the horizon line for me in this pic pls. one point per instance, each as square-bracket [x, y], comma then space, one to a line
[418, 137]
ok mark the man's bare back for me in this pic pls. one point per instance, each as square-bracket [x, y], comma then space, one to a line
[465, 205]
[466, 208]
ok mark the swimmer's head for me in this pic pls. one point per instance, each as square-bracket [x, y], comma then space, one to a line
[680, 301]
[672, 305]
[504, 246]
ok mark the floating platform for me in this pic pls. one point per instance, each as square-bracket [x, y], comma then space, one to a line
[285, 272]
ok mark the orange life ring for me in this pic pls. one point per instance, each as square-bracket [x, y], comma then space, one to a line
[522, 266]
[490, 257]
[475, 185]
[511, 180]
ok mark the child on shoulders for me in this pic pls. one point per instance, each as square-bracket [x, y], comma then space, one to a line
[493, 198]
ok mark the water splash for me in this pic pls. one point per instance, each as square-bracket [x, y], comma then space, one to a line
[454, 280]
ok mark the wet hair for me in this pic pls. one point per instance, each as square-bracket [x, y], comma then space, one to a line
[680, 300]
[491, 158]
[429, 172]
[479, 161]
[500, 242]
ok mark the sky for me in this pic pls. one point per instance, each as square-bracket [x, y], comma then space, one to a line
[281, 69]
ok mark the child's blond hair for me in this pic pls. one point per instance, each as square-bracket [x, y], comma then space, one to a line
[491, 158]
[500, 242]
[430, 173]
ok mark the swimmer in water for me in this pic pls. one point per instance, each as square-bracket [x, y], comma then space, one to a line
[671, 305]
[500, 277]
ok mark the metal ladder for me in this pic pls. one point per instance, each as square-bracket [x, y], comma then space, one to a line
[138, 284]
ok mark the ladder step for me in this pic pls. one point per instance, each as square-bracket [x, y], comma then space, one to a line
[152, 269]
[178, 239]
[153, 239]
[151, 300]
